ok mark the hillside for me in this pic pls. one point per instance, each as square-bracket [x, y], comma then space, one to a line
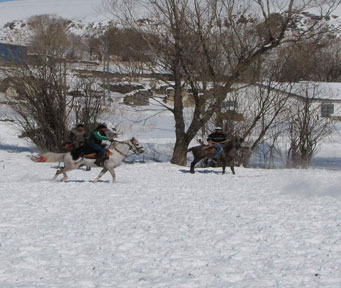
[87, 10]
[88, 17]
[20, 32]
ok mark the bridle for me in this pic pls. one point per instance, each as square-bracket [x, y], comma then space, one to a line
[132, 146]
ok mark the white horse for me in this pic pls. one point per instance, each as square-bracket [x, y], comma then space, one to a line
[118, 152]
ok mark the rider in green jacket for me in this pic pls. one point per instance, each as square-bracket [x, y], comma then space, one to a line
[95, 142]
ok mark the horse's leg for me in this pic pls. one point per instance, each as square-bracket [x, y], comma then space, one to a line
[60, 171]
[70, 168]
[104, 170]
[65, 177]
[195, 161]
[223, 159]
[64, 170]
[113, 175]
[54, 178]
[232, 169]
[56, 175]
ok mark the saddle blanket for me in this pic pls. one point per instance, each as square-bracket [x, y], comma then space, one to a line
[209, 149]
[94, 155]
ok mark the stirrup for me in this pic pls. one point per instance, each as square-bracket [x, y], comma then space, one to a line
[99, 162]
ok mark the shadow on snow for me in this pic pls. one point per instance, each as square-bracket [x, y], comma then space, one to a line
[13, 148]
[206, 171]
[86, 181]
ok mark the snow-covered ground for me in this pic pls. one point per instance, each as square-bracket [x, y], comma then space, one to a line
[160, 226]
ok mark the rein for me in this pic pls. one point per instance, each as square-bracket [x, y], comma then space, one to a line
[225, 141]
[118, 142]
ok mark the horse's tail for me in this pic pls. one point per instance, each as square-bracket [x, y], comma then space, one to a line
[49, 157]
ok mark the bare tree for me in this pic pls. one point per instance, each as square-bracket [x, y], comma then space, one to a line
[255, 113]
[42, 104]
[87, 101]
[41, 85]
[209, 45]
[94, 47]
[328, 62]
[306, 129]
[50, 35]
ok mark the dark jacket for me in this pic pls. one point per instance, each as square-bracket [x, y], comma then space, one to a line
[217, 137]
[97, 136]
[77, 138]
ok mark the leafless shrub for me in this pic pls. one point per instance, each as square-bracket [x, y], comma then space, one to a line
[306, 129]
[87, 102]
[44, 106]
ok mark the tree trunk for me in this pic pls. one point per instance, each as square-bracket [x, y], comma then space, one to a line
[180, 152]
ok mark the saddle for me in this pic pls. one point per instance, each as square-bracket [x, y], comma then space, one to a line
[209, 149]
[86, 152]
[94, 155]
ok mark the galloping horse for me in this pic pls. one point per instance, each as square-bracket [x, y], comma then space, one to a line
[226, 157]
[118, 151]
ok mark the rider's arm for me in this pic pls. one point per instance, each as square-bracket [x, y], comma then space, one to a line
[209, 138]
[98, 136]
[72, 137]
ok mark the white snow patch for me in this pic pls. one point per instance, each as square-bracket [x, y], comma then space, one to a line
[312, 187]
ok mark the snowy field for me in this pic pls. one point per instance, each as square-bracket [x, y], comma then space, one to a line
[160, 226]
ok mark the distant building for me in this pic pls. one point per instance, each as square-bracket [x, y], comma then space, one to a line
[10, 53]
[324, 95]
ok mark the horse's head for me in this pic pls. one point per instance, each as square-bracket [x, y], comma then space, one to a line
[233, 143]
[135, 146]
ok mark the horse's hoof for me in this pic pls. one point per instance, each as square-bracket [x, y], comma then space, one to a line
[64, 179]
[94, 181]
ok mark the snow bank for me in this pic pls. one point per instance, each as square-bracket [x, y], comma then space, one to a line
[312, 187]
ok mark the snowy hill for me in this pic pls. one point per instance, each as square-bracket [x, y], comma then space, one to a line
[88, 17]
[86, 10]
[20, 32]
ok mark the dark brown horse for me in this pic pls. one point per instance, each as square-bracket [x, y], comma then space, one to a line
[226, 157]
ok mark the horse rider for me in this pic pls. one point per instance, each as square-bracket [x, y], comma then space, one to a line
[77, 137]
[95, 142]
[215, 139]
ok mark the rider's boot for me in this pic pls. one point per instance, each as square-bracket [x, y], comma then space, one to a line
[100, 161]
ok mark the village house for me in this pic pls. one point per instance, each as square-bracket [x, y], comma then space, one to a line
[10, 53]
